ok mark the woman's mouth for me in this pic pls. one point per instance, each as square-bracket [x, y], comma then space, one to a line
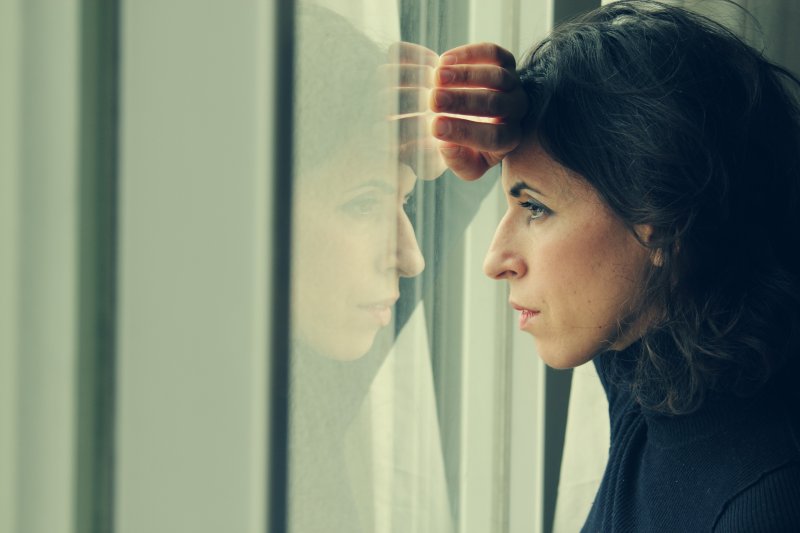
[526, 315]
[380, 311]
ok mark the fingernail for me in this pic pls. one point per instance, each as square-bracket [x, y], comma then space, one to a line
[441, 128]
[447, 59]
[442, 99]
[446, 75]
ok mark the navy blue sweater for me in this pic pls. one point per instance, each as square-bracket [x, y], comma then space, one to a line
[732, 466]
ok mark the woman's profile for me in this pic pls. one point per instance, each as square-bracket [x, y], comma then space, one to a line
[651, 164]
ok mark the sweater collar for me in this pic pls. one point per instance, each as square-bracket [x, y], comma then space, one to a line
[717, 413]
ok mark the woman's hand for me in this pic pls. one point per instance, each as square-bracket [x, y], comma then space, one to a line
[479, 83]
[409, 72]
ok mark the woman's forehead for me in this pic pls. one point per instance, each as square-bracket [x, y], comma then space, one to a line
[531, 165]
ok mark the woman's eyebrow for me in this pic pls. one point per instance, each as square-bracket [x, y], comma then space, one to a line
[519, 186]
[388, 188]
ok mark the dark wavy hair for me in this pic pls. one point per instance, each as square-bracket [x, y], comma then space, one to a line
[680, 125]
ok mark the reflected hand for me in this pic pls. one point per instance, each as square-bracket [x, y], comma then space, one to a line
[410, 71]
[479, 83]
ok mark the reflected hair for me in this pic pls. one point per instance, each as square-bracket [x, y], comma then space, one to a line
[681, 125]
[338, 97]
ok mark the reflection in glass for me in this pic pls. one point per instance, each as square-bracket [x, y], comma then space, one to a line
[361, 145]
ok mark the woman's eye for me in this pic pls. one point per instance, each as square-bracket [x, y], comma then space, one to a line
[361, 206]
[537, 210]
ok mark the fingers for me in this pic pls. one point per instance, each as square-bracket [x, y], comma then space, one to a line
[480, 81]
[406, 100]
[415, 147]
[479, 103]
[477, 80]
[502, 95]
[423, 157]
[479, 53]
[397, 75]
[485, 76]
[409, 53]
[411, 128]
[482, 136]
[409, 65]
[466, 163]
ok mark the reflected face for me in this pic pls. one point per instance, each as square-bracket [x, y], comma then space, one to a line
[573, 268]
[353, 241]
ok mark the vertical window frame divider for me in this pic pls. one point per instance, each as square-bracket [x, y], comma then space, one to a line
[279, 249]
[96, 377]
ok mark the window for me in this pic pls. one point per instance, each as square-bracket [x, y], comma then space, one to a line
[230, 297]
[147, 231]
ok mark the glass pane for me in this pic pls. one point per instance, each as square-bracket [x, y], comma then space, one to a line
[381, 392]
[194, 213]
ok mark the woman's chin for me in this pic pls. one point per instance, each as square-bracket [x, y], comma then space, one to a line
[349, 353]
[561, 357]
[340, 347]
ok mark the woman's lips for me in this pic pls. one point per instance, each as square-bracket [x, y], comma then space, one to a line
[526, 315]
[381, 311]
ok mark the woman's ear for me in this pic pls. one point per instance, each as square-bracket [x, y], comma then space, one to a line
[645, 234]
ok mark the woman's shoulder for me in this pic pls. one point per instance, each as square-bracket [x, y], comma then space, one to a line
[766, 466]
[770, 504]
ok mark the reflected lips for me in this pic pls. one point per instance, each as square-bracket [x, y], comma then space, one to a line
[381, 310]
[526, 315]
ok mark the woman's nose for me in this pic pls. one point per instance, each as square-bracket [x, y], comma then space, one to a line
[502, 260]
[410, 262]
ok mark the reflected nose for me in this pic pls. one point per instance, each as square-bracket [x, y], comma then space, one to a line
[410, 262]
[502, 260]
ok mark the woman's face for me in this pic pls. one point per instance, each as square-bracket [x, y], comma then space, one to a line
[352, 243]
[573, 268]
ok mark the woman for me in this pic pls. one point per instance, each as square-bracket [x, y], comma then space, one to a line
[652, 171]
